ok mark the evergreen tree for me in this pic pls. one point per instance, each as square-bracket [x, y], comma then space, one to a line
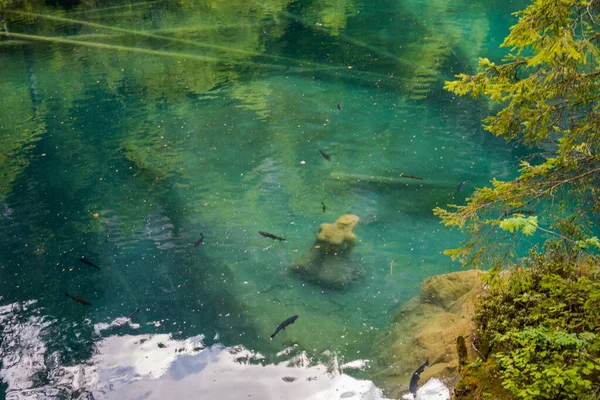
[540, 319]
[548, 87]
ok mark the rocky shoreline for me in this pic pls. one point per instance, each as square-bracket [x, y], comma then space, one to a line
[427, 328]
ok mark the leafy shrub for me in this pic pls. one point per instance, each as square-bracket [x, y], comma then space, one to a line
[542, 319]
[546, 365]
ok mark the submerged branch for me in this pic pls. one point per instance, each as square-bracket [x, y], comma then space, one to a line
[171, 39]
[160, 53]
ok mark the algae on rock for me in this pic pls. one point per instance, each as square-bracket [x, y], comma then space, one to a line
[426, 328]
[327, 262]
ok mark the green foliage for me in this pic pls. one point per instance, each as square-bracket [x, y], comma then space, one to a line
[541, 317]
[546, 365]
[527, 225]
[592, 242]
[548, 86]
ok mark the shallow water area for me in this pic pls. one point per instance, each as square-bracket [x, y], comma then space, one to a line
[130, 131]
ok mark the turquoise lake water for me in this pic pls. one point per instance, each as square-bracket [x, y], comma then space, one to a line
[126, 131]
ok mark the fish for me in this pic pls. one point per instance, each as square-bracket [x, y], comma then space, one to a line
[461, 348]
[199, 240]
[91, 264]
[414, 381]
[133, 313]
[325, 155]
[288, 68]
[324, 209]
[460, 185]
[271, 236]
[524, 212]
[285, 323]
[8, 155]
[164, 146]
[410, 176]
[340, 105]
[127, 319]
[451, 11]
[78, 299]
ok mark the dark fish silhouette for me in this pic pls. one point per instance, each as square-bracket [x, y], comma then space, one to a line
[133, 313]
[410, 176]
[91, 264]
[164, 146]
[460, 185]
[8, 155]
[452, 11]
[414, 381]
[524, 212]
[127, 319]
[461, 348]
[340, 105]
[271, 236]
[199, 240]
[288, 68]
[324, 209]
[325, 155]
[78, 299]
[285, 323]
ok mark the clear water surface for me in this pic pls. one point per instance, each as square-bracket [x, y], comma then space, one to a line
[127, 130]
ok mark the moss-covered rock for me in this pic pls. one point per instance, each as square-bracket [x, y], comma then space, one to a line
[426, 328]
[481, 381]
[328, 263]
[445, 290]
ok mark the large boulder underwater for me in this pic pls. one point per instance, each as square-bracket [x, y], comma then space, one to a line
[331, 272]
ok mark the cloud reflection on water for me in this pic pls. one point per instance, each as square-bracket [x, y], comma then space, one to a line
[159, 367]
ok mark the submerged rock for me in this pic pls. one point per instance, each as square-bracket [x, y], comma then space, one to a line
[333, 271]
[427, 328]
[445, 290]
[327, 263]
[338, 237]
